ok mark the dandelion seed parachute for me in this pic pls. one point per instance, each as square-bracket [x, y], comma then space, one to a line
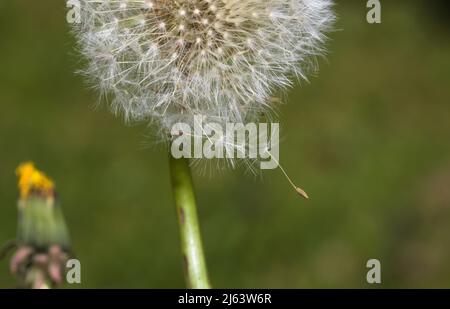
[166, 60]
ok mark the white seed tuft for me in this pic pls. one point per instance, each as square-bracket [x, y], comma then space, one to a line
[166, 60]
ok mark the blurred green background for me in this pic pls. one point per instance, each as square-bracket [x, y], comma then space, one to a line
[369, 139]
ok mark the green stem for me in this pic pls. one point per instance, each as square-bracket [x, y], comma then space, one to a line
[191, 244]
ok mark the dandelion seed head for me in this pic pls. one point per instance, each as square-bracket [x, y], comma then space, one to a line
[166, 60]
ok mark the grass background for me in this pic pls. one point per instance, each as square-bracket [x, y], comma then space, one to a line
[369, 139]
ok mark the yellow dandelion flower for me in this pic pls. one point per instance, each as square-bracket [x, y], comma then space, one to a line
[32, 180]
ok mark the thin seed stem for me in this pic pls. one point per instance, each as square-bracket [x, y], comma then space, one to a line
[299, 190]
[196, 274]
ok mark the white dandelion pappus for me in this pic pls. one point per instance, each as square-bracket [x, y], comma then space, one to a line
[167, 60]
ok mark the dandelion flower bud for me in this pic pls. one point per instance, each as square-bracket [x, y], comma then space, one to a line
[42, 241]
[166, 60]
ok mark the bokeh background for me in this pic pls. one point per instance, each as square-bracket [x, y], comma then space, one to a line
[368, 138]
